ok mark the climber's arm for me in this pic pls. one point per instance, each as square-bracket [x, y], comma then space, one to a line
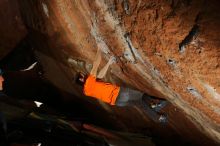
[104, 70]
[96, 63]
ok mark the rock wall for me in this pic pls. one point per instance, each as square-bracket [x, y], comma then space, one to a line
[167, 48]
[12, 28]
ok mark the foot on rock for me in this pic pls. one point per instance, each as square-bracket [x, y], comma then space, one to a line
[163, 119]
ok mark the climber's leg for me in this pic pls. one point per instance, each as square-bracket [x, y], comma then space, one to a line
[155, 116]
[96, 63]
[130, 97]
[126, 95]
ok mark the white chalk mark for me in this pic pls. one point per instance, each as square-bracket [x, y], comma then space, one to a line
[194, 92]
[72, 61]
[30, 67]
[99, 40]
[45, 8]
[212, 91]
[38, 104]
[133, 50]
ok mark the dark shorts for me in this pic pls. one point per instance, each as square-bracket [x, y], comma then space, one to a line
[130, 97]
[127, 95]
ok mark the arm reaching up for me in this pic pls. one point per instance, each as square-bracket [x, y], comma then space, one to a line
[96, 63]
[104, 70]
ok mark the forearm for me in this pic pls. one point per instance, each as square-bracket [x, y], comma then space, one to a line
[96, 63]
[104, 70]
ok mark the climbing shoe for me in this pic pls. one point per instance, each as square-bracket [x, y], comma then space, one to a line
[158, 106]
[163, 119]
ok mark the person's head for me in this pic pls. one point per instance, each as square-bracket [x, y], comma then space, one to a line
[1, 80]
[80, 79]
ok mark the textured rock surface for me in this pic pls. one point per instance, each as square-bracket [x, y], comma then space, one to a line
[10, 35]
[168, 48]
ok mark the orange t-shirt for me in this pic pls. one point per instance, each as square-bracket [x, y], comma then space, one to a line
[106, 92]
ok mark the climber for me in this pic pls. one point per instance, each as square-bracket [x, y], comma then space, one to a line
[115, 95]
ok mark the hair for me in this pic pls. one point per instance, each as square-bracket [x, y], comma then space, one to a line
[78, 76]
